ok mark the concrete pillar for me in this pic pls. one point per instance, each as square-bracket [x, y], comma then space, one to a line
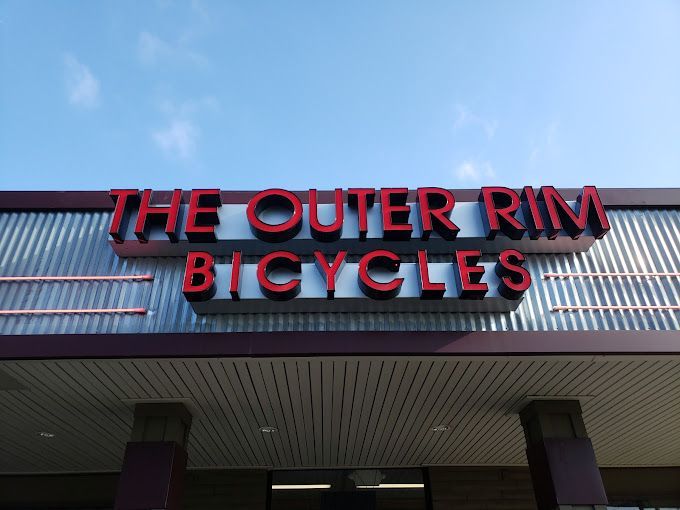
[152, 477]
[561, 459]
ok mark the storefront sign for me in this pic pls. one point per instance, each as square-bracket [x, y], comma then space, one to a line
[375, 227]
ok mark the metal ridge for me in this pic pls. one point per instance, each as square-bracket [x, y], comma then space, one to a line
[632, 198]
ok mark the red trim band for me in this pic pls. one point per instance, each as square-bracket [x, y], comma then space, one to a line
[547, 276]
[140, 311]
[132, 277]
[615, 308]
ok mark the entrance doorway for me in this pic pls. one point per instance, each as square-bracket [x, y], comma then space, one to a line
[359, 489]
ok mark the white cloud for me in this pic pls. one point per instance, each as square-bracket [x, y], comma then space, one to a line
[472, 171]
[189, 107]
[178, 138]
[466, 118]
[546, 147]
[152, 50]
[180, 135]
[82, 87]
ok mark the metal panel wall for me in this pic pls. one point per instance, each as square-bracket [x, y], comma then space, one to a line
[75, 243]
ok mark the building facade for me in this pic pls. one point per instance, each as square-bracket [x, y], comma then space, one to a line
[128, 382]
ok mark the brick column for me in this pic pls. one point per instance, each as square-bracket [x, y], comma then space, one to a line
[561, 459]
[152, 477]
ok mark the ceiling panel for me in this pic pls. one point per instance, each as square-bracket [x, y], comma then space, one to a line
[368, 411]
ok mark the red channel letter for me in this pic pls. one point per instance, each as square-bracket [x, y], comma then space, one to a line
[279, 260]
[236, 273]
[330, 272]
[199, 276]
[434, 208]
[395, 214]
[384, 259]
[124, 199]
[561, 216]
[281, 232]
[469, 275]
[500, 205]
[155, 214]
[202, 216]
[428, 289]
[532, 213]
[326, 233]
[515, 280]
[361, 199]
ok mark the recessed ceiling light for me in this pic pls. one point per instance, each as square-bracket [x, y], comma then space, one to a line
[47, 435]
[268, 430]
[441, 428]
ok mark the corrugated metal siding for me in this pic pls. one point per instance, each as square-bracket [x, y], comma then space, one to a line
[75, 243]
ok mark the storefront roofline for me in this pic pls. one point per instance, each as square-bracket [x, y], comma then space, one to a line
[633, 198]
[324, 344]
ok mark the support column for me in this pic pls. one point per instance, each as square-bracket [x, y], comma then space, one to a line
[155, 460]
[561, 459]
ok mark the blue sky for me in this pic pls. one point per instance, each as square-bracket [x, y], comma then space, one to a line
[255, 94]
